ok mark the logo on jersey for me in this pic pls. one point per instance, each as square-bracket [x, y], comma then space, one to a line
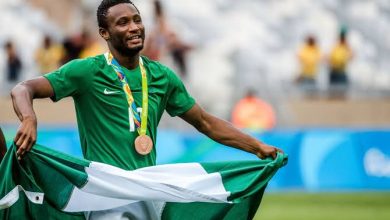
[107, 92]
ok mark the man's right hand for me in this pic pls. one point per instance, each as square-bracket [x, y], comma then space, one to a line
[26, 136]
[22, 99]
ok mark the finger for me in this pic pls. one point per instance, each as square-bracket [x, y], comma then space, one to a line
[30, 144]
[19, 146]
[20, 151]
[24, 146]
[20, 140]
[259, 155]
[274, 154]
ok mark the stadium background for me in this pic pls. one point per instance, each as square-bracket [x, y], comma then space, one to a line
[339, 153]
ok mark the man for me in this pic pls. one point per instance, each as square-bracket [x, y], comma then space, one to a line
[163, 39]
[309, 57]
[49, 55]
[109, 91]
[339, 57]
[253, 113]
[14, 63]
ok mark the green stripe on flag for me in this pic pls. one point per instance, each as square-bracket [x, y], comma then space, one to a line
[246, 209]
[244, 178]
[65, 159]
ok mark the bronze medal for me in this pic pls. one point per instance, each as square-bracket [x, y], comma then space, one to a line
[143, 144]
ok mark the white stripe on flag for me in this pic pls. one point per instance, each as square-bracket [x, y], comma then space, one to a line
[114, 187]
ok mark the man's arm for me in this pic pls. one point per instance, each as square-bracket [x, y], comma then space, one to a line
[3, 146]
[225, 133]
[22, 99]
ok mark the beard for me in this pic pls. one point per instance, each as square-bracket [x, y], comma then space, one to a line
[125, 51]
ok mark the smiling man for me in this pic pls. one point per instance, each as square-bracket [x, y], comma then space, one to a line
[119, 98]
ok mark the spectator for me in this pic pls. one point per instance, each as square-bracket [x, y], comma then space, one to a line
[14, 64]
[73, 46]
[163, 40]
[49, 56]
[91, 46]
[156, 43]
[253, 113]
[339, 58]
[178, 50]
[309, 58]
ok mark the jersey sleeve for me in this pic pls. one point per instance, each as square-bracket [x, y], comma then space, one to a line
[179, 100]
[72, 79]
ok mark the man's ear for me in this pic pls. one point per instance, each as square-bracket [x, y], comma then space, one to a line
[104, 33]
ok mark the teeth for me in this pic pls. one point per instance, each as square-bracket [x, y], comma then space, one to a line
[135, 37]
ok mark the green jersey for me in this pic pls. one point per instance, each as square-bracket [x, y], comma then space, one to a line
[103, 112]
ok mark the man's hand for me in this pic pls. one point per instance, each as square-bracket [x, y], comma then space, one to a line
[22, 99]
[265, 150]
[26, 136]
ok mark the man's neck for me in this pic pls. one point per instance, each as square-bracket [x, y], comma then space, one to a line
[129, 62]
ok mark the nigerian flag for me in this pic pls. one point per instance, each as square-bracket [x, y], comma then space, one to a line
[51, 185]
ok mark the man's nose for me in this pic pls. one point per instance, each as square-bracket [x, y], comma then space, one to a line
[133, 26]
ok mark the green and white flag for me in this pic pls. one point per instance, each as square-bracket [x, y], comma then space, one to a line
[51, 185]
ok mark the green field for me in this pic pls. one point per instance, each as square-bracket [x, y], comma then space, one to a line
[325, 206]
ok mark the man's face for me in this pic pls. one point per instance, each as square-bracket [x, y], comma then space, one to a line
[125, 31]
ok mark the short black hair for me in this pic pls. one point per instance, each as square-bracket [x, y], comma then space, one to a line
[103, 8]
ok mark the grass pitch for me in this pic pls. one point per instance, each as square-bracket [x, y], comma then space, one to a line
[325, 206]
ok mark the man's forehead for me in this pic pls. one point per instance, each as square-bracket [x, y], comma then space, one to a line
[122, 10]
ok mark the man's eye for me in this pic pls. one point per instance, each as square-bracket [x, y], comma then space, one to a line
[122, 22]
[137, 19]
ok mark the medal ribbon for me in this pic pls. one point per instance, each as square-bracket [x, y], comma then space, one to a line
[141, 127]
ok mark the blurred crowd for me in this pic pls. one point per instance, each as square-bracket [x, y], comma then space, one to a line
[51, 54]
[223, 58]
